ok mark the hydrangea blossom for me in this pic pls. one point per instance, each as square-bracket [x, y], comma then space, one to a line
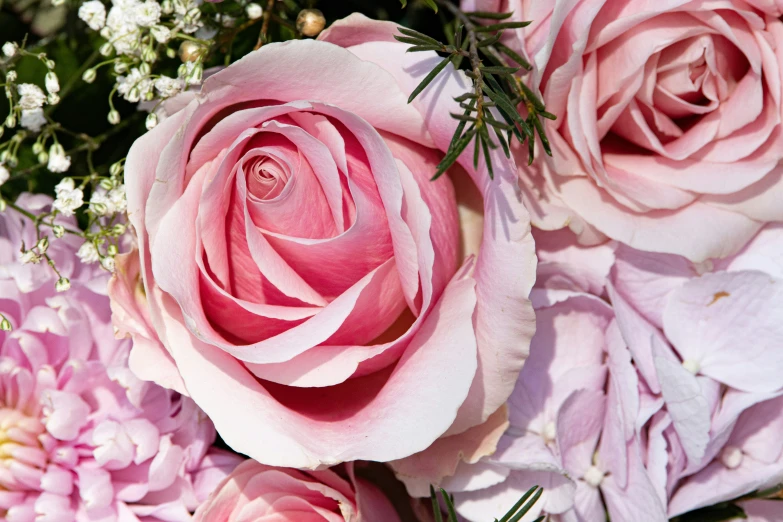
[82, 438]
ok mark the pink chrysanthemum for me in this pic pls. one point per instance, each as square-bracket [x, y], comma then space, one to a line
[81, 438]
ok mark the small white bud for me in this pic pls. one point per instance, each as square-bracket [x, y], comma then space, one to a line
[120, 67]
[3, 205]
[49, 63]
[53, 99]
[115, 169]
[51, 82]
[57, 3]
[10, 48]
[148, 55]
[106, 49]
[10, 121]
[106, 184]
[62, 284]
[43, 245]
[11, 76]
[114, 117]
[171, 53]
[166, 7]
[4, 175]
[152, 120]
[144, 69]
[112, 250]
[37, 147]
[30, 257]
[58, 231]
[5, 324]
[118, 229]
[43, 157]
[107, 263]
[254, 11]
[89, 75]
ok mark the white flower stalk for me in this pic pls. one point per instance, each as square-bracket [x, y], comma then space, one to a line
[30, 96]
[59, 162]
[94, 14]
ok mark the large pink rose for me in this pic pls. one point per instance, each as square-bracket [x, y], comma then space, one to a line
[306, 284]
[262, 493]
[668, 135]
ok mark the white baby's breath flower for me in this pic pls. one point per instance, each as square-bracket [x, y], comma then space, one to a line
[118, 199]
[33, 119]
[11, 76]
[121, 28]
[59, 162]
[107, 262]
[135, 86]
[29, 257]
[30, 96]
[4, 174]
[161, 33]
[147, 14]
[94, 14]
[168, 87]
[10, 48]
[100, 204]
[87, 253]
[62, 284]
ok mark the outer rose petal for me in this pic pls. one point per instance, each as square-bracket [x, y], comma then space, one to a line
[503, 331]
[441, 459]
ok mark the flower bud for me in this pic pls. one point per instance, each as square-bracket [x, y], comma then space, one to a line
[62, 284]
[58, 231]
[166, 7]
[145, 68]
[152, 120]
[53, 99]
[115, 169]
[106, 184]
[51, 82]
[43, 157]
[106, 49]
[254, 11]
[107, 263]
[118, 230]
[120, 67]
[89, 75]
[310, 22]
[10, 121]
[5, 324]
[114, 117]
[49, 63]
[10, 49]
[111, 250]
[11, 76]
[171, 53]
[43, 245]
[189, 51]
[37, 147]
[148, 55]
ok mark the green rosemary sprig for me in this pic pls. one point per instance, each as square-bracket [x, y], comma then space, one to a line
[493, 68]
[515, 514]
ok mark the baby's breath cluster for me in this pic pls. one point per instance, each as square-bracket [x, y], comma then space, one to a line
[138, 34]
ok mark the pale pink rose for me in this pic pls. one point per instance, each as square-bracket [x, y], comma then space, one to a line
[305, 283]
[82, 438]
[262, 493]
[668, 135]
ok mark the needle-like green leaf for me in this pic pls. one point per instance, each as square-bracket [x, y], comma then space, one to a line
[427, 79]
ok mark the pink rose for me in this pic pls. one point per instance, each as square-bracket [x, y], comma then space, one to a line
[306, 284]
[257, 492]
[668, 135]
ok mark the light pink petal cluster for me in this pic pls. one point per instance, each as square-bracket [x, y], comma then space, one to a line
[81, 438]
[262, 493]
[653, 387]
[668, 135]
[299, 275]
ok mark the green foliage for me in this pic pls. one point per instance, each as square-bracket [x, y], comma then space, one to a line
[515, 514]
[497, 87]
